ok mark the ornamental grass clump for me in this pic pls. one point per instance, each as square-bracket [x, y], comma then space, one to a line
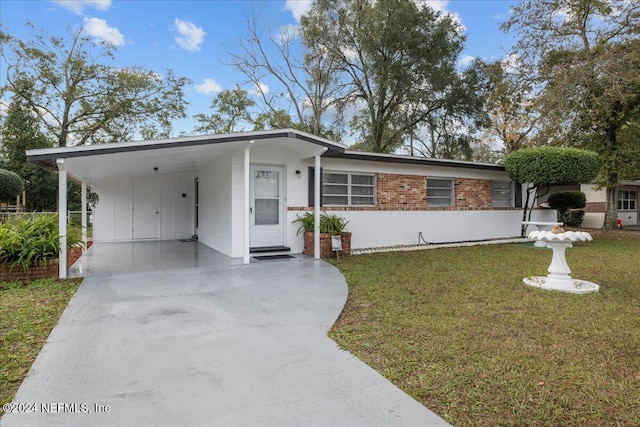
[329, 223]
[27, 239]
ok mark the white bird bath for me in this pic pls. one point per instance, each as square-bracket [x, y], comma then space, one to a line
[559, 277]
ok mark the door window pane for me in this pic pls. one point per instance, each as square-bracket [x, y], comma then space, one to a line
[267, 183]
[267, 212]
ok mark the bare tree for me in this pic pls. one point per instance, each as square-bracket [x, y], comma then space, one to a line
[309, 86]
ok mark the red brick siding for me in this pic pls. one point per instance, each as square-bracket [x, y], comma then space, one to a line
[38, 270]
[396, 192]
[401, 192]
[595, 207]
[472, 193]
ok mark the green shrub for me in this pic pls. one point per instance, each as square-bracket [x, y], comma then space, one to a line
[564, 200]
[573, 217]
[553, 165]
[11, 185]
[25, 239]
[329, 223]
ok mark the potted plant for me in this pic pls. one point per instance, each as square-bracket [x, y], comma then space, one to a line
[330, 225]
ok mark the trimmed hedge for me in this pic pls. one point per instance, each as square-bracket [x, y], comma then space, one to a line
[11, 186]
[564, 200]
[553, 165]
[568, 205]
[573, 218]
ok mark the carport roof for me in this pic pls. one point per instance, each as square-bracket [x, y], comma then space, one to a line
[92, 162]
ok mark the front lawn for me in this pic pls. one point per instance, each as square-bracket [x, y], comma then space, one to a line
[27, 316]
[458, 330]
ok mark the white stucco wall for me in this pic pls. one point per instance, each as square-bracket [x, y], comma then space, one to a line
[215, 201]
[389, 228]
[593, 195]
[113, 215]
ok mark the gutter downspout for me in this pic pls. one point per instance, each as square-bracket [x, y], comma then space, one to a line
[316, 204]
[62, 218]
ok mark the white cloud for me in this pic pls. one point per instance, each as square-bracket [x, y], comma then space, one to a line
[298, 7]
[466, 60]
[511, 63]
[78, 6]
[441, 6]
[258, 89]
[287, 33]
[99, 29]
[190, 36]
[208, 86]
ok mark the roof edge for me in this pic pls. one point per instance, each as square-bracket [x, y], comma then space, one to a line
[42, 155]
[397, 158]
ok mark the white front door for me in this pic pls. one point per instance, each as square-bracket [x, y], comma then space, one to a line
[146, 208]
[266, 206]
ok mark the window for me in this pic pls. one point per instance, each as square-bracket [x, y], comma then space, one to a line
[348, 189]
[627, 200]
[439, 192]
[501, 194]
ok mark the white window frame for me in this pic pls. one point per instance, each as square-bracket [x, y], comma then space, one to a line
[452, 197]
[349, 186]
[624, 195]
[511, 194]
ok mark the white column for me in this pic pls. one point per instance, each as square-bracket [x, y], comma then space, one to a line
[247, 202]
[62, 217]
[84, 214]
[316, 205]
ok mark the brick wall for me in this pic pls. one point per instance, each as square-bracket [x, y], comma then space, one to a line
[472, 193]
[397, 192]
[595, 207]
[38, 270]
[401, 192]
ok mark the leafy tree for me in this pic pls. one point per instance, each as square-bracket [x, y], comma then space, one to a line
[279, 119]
[231, 110]
[510, 105]
[20, 132]
[397, 59]
[79, 98]
[540, 167]
[10, 186]
[585, 58]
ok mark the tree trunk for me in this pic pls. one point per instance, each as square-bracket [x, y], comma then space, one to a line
[611, 165]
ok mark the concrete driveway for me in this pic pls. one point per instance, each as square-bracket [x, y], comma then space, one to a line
[227, 345]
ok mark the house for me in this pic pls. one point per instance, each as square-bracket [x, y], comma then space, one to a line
[241, 192]
[628, 206]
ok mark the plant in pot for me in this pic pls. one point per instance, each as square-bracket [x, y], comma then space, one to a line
[330, 225]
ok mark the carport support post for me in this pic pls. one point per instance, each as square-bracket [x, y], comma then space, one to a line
[316, 205]
[84, 215]
[62, 218]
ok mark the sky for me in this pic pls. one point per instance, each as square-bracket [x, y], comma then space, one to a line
[193, 37]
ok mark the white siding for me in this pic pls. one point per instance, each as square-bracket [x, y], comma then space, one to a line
[113, 215]
[215, 222]
[389, 228]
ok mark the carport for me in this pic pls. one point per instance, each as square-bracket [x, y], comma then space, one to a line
[138, 162]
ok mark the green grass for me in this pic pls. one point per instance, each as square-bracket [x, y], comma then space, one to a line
[27, 316]
[459, 331]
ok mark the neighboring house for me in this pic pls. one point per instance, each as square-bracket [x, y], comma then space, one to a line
[628, 206]
[241, 192]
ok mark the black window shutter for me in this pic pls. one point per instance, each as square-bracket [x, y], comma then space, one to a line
[518, 195]
[312, 179]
